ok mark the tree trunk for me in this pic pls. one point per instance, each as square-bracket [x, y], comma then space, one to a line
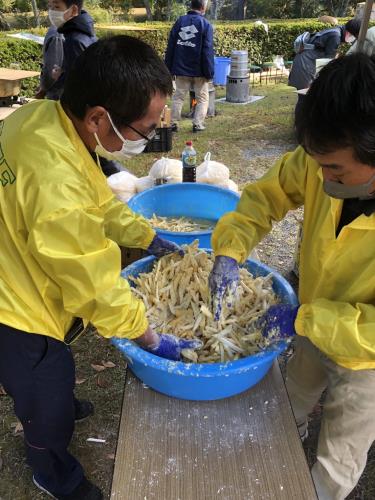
[36, 13]
[148, 9]
[239, 7]
[4, 25]
[169, 10]
[213, 10]
[298, 8]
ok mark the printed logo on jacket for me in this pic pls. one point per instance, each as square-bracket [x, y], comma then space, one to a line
[187, 33]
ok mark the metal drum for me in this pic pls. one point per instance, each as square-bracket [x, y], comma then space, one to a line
[237, 89]
[238, 79]
[239, 64]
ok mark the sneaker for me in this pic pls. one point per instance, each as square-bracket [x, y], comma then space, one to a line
[198, 128]
[84, 491]
[303, 431]
[83, 409]
[305, 436]
[174, 127]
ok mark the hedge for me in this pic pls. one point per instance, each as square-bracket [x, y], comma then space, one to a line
[228, 36]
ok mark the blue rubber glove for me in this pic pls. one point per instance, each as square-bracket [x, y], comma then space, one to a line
[223, 280]
[170, 347]
[277, 323]
[160, 247]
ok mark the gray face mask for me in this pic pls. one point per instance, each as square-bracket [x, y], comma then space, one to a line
[342, 191]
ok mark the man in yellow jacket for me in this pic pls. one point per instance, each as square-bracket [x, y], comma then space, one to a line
[332, 174]
[61, 228]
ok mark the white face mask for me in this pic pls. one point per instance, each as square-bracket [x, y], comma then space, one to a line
[349, 38]
[57, 17]
[128, 150]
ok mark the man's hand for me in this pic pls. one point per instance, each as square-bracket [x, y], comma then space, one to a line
[223, 281]
[160, 247]
[166, 346]
[277, 323]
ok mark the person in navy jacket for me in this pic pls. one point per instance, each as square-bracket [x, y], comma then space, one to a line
[190, 58]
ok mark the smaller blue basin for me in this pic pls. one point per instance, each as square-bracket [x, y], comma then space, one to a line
[186, 199]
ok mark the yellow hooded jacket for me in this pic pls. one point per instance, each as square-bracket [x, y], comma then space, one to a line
[337, 274]
[60, 227]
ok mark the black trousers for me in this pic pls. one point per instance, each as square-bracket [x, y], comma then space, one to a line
[38, 373]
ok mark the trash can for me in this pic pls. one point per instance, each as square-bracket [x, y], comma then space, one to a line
[222, 68]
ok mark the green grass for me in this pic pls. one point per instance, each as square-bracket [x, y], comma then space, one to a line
[235, 129]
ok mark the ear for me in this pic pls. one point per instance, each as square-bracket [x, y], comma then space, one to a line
[95, 118]
[75, 10]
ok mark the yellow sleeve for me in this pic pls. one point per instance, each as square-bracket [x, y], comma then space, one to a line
[71, 247]
[344, 332]
[281, 189]
[127, 228]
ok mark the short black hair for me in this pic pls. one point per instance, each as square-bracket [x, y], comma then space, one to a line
[120, 73]
[353, 26]
[338, 111]
[78, 3]
[198, 4]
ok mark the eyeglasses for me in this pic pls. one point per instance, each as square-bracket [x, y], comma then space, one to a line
[148, 137]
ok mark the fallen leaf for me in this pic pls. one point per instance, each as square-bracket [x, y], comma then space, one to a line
[17, 428]
[80, 380]
[111, 456]
[100, 382]
[108, 364]
[98, 368]
[2, 391]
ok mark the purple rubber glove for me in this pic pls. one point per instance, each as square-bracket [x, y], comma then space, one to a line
[160, 247]
[277, 323]
[170, 347]
[223, 280]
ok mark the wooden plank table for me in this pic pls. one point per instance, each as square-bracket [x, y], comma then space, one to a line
[241, 448]
[16, 74]
[10, 80]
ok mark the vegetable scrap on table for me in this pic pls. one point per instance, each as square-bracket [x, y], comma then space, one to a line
[177, 300]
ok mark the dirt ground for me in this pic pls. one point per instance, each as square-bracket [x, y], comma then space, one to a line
[248, 139]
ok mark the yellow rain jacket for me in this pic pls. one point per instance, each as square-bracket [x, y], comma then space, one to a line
[60, 227]
[337, 274]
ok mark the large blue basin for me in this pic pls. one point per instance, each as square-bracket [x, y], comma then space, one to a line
[203, 381]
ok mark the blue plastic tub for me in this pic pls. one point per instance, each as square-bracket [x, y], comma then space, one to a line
[221, 71]
[203, 382]
[186, 199]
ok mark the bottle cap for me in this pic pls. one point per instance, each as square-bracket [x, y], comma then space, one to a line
[189, 143]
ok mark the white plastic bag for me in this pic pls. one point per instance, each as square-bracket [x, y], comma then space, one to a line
[144, 183]
[212, 172]
[232, 186]
[279, 63]
[123, 185]
[166, 171]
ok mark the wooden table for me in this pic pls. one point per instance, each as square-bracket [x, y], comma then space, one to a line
[241, 448]
[16, 74]
[10, 80]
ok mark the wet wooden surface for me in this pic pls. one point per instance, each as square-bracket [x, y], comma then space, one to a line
[240, 448]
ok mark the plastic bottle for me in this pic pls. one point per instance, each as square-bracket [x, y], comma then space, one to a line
[189, 161]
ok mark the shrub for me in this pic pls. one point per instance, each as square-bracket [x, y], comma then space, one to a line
[228, 36]
[240, 35]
